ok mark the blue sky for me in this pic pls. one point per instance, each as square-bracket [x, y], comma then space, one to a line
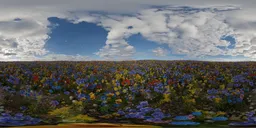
[84, 30]
[87, 38]
[72, 39]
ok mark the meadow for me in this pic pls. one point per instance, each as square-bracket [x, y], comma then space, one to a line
[160, 93]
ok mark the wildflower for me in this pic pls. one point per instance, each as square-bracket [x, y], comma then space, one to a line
[146, 109]
[197, 113]
[66, 92]
[110, 94]
[118, 101]
[221, 113]
[92, 96]
[191, 117]
[184, 123]
[50, 91]
[217, 100]
[74, 101]
[221, 118]
[181, 118]
[115, 88]
[120, 112]
[54, 103]
[144, 103]
[117, 93]
[125, 91]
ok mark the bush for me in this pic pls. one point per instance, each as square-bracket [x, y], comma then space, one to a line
[81, 118]
[63, 112]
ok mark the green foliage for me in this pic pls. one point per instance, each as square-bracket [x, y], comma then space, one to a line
[40, 106]
[67, 114]
[81, 119]
[63, 112]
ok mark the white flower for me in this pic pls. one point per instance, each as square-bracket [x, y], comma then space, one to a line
[71, 97]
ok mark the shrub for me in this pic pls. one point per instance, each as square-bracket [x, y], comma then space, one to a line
[63, 112]
[81, 118]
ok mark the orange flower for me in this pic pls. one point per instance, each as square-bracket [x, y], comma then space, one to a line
[118, 101]
[110, 94]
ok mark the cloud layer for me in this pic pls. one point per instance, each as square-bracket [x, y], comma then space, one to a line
[194, 30]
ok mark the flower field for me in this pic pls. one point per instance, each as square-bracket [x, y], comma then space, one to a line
[164, 93]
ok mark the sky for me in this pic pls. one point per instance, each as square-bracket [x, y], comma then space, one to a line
[85, 30]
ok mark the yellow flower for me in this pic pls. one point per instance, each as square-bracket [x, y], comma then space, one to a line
[115, 88]
[115, 114]
[193, 101]
[92, 96]
[217, 100]
[118, 101]
[221, 113]
[79, 91]
[83, 99]
[222, 87]
[98, 90]
[110, 95]
[117, 93]
[125, 91]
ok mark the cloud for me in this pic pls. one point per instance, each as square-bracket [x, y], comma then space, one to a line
[160, 51]
[63, 57]
[193, 27]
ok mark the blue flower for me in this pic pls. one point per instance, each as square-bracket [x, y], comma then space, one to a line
[120, 112]
[184, 123]
[181, 118]
[58, 87]
[251, 83]
[146, 109]
[54, 103]
[196, 113]
[221, 118]
[131, 110]
[157, 110]
[131, 115]
[159, 115]
[139, 115]
[6, 115]
[50, 91]
[66, 92]
[144, 103]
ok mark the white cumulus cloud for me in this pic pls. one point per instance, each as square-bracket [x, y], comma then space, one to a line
[193, 27]
[160, 51]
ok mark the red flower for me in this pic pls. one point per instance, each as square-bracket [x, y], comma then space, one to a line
[252, 75]
[35, 78]
[127, 82]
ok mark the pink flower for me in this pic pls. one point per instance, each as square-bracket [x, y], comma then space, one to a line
[191, 116]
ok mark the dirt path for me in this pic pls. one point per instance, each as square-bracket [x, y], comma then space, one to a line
[95, 125]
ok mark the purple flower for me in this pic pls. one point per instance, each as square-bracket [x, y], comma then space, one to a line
[66, 92]
[250, 114]
[131, 110]
[159, 115]
[139, 115]
[144, 103]
[120, 112]
[23, 108]
[146, 109]
[54, 103]
[251, 83]
[5, 114]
